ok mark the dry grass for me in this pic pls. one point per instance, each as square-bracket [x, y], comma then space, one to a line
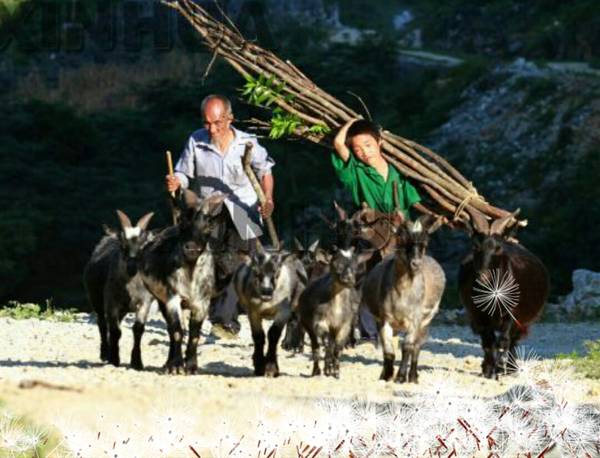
[95, 87]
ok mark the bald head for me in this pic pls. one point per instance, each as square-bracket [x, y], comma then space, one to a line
[216, 104]
[217, 114]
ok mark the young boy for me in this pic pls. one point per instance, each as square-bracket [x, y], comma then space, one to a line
[363, 170]
[370, 178]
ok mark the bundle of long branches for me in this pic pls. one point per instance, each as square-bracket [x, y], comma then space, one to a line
[301, 109]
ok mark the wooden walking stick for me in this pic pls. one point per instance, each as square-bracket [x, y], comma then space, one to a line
[259, 192]
[172, 194]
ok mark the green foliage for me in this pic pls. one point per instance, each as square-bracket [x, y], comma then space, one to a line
[283, 124]
[19, 311]
[589, 363]
[262, 91]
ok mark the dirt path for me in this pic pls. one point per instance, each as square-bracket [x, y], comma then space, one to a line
[105, 409]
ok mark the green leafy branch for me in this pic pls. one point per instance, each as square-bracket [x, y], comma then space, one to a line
[263, 92]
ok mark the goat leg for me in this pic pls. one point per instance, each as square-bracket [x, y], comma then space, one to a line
[488, 343]
[504, 343]
[174, 364]
[386, 335]
[408, 349]
[139, 326]
[413, 375]
[191, 351]
[258, 337]
[114, 334]
[293, 339]
[314, 344]
[272, 368]
[103, 329]
[326, 342]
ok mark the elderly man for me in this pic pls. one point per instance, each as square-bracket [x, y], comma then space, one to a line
[212, 162]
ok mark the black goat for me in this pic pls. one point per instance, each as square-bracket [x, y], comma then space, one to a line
[328, 306]
[179, 270]
[503, 288]
[114, 287]
[268, 287]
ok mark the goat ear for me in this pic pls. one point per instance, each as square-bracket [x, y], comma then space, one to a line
[190, 199]
[326, 220]
[500, 225]
[213, 205]
[312, 248]
[397, 218]
[435, 225]
[322, 256]
[109, 230]
[342, 216]
[479, 222]
[144, 220]
[297, 245]
[365, 256]
[123, 220]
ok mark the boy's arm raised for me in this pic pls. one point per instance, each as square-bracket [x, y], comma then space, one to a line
[339, 143]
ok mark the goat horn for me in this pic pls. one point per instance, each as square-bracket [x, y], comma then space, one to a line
[298, 245]
[123, 219]
[340, 211]
[500, 225]
[480, 224]
[144, 220]
[327, 221]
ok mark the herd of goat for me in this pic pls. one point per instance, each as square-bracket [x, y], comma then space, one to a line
[379, 262]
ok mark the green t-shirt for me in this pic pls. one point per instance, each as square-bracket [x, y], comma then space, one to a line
[367, 185]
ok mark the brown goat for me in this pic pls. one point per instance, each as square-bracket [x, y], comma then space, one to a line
[503, 288]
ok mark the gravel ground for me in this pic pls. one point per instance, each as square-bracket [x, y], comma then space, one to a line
[64, 384]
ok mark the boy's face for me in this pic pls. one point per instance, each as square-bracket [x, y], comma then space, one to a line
[366, 148]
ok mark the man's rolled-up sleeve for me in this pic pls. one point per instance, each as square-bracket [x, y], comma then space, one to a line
[262, 163]
[184, 169]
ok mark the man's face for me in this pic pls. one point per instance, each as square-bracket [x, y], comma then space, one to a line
[217, 120]
[365, 147]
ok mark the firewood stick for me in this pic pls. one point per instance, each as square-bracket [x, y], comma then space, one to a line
[246, 158]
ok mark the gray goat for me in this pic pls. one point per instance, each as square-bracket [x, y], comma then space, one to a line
[316, 263]
[268, 286]
[114, 287]
[178, 268]
[403, 292]
[328, 307]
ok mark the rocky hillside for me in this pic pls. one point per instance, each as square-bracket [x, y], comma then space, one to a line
[529, 137]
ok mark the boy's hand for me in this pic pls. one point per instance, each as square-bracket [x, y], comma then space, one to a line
[339, 143]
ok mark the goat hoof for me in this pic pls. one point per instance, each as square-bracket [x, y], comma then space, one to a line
[191, 369]
[174, 368]
[413, 378]
[386, 375]
[272, 370]
[315, 372]
[401, 378]
[137, 365]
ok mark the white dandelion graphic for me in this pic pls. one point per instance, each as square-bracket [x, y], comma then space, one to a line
[497, 291]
